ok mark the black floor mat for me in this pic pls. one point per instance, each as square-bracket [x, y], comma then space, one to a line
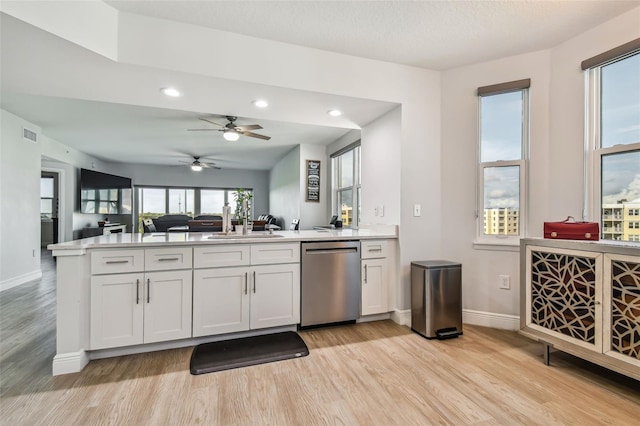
[228, 354]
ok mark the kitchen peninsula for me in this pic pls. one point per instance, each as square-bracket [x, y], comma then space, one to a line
[121, 294]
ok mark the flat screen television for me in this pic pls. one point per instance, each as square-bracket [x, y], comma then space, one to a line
[102, 193]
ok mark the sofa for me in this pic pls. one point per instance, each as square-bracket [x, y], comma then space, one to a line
[163, 223]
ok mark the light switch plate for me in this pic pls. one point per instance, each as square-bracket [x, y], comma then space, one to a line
[381, 210]
[417, 211]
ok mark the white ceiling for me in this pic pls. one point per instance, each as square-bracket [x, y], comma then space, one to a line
[431, 34]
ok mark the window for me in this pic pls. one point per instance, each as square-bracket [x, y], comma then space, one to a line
[46, 197]
[613, 141]
[345, 185]
[503, 148]
[154, 202]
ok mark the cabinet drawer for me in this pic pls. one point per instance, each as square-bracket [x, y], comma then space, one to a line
[168, 258]
[117, 261]
[221, 256]
[265, 254]
[373, 249]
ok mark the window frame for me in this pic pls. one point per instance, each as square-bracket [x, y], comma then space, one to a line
[501, 239]
[354, 188]
[594, 152]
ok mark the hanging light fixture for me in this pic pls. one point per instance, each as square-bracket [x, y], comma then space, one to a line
[231, 135]
[196, 166]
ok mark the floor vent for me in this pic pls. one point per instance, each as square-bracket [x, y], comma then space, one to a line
[29, 135]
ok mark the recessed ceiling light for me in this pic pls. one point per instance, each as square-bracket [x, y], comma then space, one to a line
[170, 91]
[334, 112]
[261, 103]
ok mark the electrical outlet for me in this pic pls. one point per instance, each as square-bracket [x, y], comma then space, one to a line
[381, 210]
[417, 210]
[375, 211]
[505, 282]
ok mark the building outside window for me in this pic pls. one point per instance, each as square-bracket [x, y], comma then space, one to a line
[613, 142]
[503, 150]
[345, 185]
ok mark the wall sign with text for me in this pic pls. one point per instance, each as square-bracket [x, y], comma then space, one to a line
[313, 180]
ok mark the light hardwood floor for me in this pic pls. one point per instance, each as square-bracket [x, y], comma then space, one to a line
[367, 374]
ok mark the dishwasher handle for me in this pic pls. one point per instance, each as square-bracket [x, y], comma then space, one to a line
[325, 250]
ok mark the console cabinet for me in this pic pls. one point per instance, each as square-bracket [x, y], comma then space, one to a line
[584, 298]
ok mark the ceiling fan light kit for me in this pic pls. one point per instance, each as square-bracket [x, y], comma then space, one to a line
[196, 167]
[231, 135]
[232, 132]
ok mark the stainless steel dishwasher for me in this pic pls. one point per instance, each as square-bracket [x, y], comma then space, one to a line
[330, 290]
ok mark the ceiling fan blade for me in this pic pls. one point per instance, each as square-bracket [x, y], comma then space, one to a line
[209, 121]
[255, 135]
[248, 127]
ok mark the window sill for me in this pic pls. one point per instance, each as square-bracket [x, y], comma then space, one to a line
[513, 246]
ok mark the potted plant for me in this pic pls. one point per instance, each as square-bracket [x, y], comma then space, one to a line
[240, 196]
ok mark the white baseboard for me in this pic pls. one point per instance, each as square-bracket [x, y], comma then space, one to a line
[71, 362]
[485, 319]
[16, 281]
[489, 319]
[402, 317]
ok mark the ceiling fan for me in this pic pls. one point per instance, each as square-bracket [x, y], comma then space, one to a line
[232, 131]
[197, 165]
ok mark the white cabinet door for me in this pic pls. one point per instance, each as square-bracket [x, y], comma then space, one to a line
[116, 310]
[275, 295]
[167, 306]
[374, 286]
[220, 301]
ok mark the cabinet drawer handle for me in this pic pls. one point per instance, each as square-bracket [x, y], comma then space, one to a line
[137, 291]
[365, 273]
[246, 282]
[254, 281]
[376, 250]
[148, 292]
[111, 262]
[168, 259]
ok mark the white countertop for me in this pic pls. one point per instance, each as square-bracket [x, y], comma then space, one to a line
[122, 240]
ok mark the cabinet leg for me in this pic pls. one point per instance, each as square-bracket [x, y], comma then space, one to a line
[546, 352]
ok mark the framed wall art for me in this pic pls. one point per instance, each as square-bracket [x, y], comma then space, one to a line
[313, 181]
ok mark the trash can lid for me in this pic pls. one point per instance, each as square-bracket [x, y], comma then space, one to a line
[428, 264]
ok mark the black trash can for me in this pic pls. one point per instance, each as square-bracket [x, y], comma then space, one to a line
[436, 299]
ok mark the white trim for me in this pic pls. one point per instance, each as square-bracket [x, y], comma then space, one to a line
[374, 317]
[21, 279]
[490, 319]
[402, 317]
[71, 362]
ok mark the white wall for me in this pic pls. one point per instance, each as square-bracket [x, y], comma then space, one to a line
[556, 154]
[314, 213]
[381, 167]
[20, 206]
[144, 174]
[284, 189]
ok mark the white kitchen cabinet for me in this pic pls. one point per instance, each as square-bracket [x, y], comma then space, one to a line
[275, 295]
[220, 300]
[131, 309]
[265, 294]
[375, 277]
[227, 300]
